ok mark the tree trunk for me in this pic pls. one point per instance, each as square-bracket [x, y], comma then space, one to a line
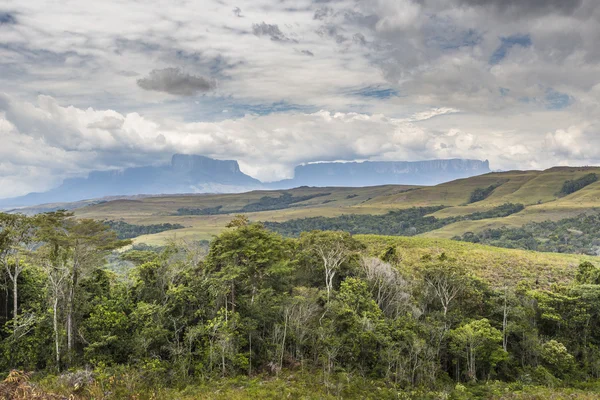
[56, 338]
[232, 297]
[70, 322]
[16, 297]
[14, 277]
[283, 342]
[70, 301]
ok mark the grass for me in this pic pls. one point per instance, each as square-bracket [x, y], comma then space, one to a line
[497, 265]
[302, 385]
[537, 190]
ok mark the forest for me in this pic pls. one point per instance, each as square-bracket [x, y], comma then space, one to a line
[126, 230]
[578, 235]
[265, 203]
[406, 222]
[318, 316]
[571, 186]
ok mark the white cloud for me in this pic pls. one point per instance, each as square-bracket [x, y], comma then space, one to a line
[437, 92]
[45, 142]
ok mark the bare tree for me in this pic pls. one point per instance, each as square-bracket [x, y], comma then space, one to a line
[16, 233]
[445, 283]
[54, 262]
[304, 308]
[333, 249]
[389, 288]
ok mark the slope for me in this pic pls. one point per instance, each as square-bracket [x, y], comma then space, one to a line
[537, 190]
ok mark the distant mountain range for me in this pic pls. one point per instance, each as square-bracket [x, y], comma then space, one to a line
[199, 174]
[371, 173]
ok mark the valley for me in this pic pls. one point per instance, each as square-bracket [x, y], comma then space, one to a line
[537, 191]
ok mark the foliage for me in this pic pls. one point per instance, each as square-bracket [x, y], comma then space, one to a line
[408, 222]
[265, 316]
[571, 186]
[579, 235]
[128, 231]
[265, 203]
[480, 194]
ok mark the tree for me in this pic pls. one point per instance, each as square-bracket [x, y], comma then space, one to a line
[76, 246]
[557, 358]
[476, 340]
[333, 248]
[53, 259]
[588, 273]
[445, 283]
[246, 259]
[357, 324]
[390, 290]
[16, 233]
[91, 241]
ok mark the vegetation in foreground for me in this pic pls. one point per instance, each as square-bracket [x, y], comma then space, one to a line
[259, 315]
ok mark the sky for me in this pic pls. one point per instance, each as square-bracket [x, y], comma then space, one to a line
[97, 85]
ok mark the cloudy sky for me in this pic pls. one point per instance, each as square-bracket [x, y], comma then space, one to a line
[108, 84]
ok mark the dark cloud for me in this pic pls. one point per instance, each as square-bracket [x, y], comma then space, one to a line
[238, 12]
[7, 18]
[332, 31]
[529, 7]
[271, 30]
[359, 38]
[176, 82]
[322, 13]
[308, 53]
[356, 18]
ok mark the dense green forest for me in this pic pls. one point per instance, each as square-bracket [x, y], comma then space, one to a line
[314, 317]
[125, 230]
[265, 203]
[578, 235]
[480, 194]
[571, 186]
[407, 222]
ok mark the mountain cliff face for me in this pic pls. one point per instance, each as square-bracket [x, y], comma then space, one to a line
[185, 174]
[370, 173]
[199, 174]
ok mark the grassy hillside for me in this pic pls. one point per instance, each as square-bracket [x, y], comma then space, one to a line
[499, 266]
[537, 190]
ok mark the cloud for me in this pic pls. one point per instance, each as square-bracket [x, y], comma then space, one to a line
[528, 7]
[175, 82]
[518, 71]
[52, 142]
[271, 30]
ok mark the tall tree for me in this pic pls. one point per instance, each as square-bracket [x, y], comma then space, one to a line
[79, 246]
[333, 248]
[91, 241]
[16, 233]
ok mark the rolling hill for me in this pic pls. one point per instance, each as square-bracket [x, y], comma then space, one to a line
[538, 191]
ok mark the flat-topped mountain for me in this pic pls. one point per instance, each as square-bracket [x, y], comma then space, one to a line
[199, 174]
[185, 174]
[370, 173]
